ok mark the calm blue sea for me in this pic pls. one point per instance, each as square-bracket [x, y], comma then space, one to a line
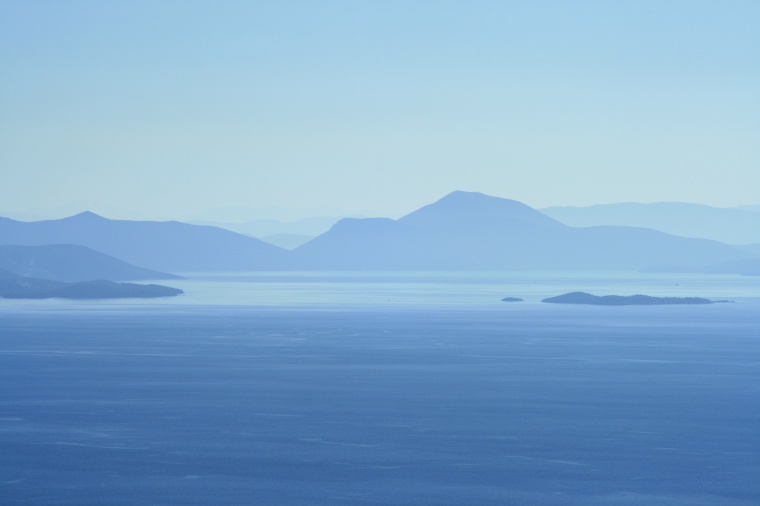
[384, 389]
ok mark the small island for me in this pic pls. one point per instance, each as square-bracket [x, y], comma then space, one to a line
[511, 299]
[619, 300]
[34, 288]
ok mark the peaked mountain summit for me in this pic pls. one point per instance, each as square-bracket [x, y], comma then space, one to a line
[465, 208]
[473, 231]
[461, 231]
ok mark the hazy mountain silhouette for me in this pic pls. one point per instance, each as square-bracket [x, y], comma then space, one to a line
[462, 231]
[169, 246]
[70, 263]
[463, 209]
[731, 226]
[472, 231]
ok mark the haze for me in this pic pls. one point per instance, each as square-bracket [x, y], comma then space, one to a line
[382, 252]
[168, 109]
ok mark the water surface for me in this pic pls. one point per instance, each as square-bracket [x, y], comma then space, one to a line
[440, 398]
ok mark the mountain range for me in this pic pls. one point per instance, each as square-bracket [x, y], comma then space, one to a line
[728, 225]
[472, 231]
[166, 246]
[69, 263]
[461, 231]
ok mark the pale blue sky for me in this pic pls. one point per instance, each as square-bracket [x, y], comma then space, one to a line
[167, 109]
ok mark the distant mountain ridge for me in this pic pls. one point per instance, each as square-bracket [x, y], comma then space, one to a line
[461, 207]
[473, 231]
[69, 263]
[729, 225]
[461, 231]
[166, 246]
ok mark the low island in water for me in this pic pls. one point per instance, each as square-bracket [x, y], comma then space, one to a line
[619, 300]
[34, 288]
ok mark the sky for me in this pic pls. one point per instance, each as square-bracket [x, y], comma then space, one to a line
[285, 109]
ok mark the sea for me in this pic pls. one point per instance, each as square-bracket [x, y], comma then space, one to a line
[384, 389]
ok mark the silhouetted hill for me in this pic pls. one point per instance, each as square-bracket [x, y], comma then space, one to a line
[462, 209]
[169, 246]
[32, 288]
[462, 231]
[728, 225]
[619, 300]
[472, 231]
[69, 262]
